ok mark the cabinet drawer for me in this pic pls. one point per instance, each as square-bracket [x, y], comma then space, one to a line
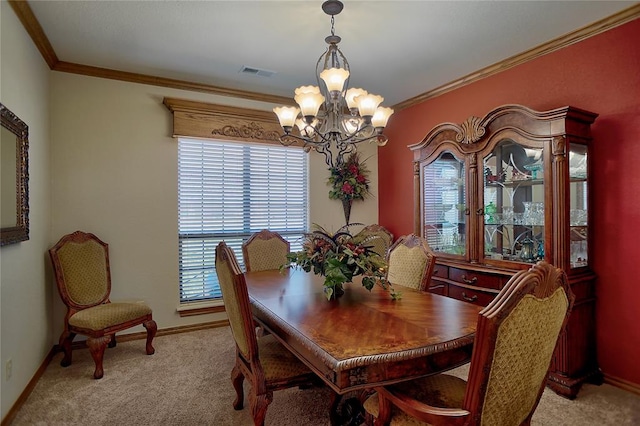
[438, 287]
[477, 297]
[477, 279]
[440, 271]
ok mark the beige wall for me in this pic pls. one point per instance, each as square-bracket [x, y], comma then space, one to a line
[25, 291]
[114, 168]
[102, 160]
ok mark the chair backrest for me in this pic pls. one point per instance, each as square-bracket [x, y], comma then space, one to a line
[411, 262]
[515, 339]
[81, 266]
[377, 237]
[265, 250]
[236, 301]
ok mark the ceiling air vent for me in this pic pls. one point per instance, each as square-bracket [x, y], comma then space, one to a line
[256, 71]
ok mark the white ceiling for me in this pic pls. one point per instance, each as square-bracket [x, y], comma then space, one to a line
[398, 49]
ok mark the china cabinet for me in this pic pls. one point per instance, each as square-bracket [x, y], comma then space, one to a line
[494, 195]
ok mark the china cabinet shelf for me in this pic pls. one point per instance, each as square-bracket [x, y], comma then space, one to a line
[518, 181]
[512, 183]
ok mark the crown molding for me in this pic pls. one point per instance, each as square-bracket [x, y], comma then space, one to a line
[131, 77]
[591, 30]
[33, 28]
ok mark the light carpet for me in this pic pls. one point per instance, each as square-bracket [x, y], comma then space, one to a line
[187, 382]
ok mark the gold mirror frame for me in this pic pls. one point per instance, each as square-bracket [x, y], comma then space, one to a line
[19, 232]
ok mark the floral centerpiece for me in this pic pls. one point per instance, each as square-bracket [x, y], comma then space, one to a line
[339, 258]
[349, 181]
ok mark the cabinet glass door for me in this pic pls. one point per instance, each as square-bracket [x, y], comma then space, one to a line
[444, 204]
[514, 203]
[578, 220]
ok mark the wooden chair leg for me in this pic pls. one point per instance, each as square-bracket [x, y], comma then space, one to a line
[259, 405]
[237, 378]
[151, 327]
[97, 347]
[65, 344]
[112, 343]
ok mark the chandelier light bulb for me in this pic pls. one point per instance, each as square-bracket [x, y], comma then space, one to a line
[381, 116]
[351, 95]
[306, 89]
[368, 103]
[309, 99]
[286, 116]
[334, 78]
[309, 103]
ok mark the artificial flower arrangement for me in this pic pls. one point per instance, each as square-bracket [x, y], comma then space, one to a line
[349, 181]
[339, 258]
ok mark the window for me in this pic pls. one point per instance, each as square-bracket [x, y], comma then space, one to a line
[227, 191]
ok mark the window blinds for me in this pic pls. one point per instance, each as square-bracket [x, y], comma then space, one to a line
[228, 191]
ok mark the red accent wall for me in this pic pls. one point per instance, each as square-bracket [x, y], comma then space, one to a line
[600, 74]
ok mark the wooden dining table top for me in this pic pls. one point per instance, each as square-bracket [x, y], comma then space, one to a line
[364, 338]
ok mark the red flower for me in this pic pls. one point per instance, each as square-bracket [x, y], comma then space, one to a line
[347, 188]
[361, 179]
[353, 169]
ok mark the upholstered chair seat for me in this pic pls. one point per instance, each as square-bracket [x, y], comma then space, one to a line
[278, 363]
[109, 315]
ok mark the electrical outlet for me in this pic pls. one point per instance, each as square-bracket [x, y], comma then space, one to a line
[8, 369]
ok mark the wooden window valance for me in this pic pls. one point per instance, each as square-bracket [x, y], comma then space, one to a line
[211, 121]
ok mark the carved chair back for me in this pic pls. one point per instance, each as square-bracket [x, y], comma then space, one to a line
[377, 237]
[81, 265]
[517, 334]
[265, 250]
[411, 262]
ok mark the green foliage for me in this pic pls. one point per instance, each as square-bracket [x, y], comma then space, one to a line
[339, 258]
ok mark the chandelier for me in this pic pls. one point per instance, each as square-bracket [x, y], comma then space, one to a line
[332, 118]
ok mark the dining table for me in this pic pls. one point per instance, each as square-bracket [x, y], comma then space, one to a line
[363, 338]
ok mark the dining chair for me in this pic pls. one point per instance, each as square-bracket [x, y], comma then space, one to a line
[377, 237]
[516, 336]
[265, 362]
[411, 262]
[265, 250]
[83, 277]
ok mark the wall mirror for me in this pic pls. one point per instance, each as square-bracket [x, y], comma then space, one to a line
[14, 178]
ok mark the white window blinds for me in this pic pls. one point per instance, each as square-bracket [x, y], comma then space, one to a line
[227, 191]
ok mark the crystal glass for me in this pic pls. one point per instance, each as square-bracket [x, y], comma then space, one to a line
[514, 184]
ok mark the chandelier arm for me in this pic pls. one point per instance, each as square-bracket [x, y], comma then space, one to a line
[323, 147]
[328, 154]
[379, 139]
